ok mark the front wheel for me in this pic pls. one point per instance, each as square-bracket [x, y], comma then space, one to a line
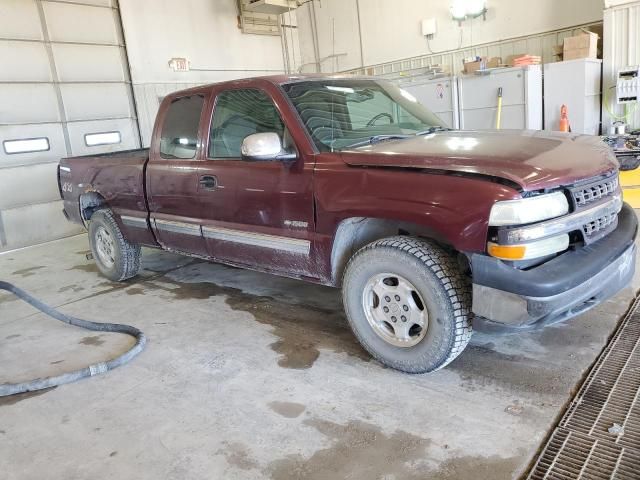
[116, 258]
[408, 303]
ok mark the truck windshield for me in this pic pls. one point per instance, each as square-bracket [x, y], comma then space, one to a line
[340, 114]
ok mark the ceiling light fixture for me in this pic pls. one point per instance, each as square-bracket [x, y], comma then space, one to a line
[465, 9]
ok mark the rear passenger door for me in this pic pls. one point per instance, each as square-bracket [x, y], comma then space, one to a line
[255, 213]
[172, 176]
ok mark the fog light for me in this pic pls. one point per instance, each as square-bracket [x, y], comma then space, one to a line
[530, 250]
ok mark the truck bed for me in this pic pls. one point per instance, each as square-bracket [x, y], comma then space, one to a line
[117, 176]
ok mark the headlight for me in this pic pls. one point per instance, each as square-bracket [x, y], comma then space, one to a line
[528, 210]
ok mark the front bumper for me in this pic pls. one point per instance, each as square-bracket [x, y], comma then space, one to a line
[505, 298]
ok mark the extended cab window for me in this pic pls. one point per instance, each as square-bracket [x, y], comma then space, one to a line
[179, 138]
[238, 114]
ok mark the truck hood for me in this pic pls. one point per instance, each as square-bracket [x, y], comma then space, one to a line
[531, 159]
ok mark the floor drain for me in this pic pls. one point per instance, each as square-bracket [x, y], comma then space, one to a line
[599, 436]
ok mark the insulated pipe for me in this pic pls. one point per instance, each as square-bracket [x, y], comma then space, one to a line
[91, 370]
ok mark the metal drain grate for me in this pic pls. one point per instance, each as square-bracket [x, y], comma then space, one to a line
[599, 436]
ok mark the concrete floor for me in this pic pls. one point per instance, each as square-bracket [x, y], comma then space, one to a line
[251, 376]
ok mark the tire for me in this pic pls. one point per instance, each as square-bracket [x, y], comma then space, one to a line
[116, 258]
[427, 275]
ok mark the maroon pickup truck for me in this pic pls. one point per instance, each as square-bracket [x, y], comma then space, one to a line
[350, 182]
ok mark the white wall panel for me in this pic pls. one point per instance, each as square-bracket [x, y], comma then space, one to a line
[51, 131]
[88, 101]
[24, 62]
[98, 3]
[19, 19]
[81, 63]
[388, 31]
[26, 185]
[36, 223]
[37, 103]
[78, 130]
[74, 52]
[78, 23]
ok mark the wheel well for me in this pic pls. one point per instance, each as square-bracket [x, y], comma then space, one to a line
[89, 203]
[356, 232]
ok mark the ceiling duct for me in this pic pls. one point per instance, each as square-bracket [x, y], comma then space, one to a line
[261, 17]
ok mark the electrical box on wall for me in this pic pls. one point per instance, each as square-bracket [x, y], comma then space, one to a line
[429, 27]
[628, 85]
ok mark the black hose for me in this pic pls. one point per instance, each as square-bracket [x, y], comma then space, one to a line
[91, 370]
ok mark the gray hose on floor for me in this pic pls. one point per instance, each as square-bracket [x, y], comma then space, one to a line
[91, 370]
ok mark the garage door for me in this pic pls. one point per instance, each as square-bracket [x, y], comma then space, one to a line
[64, 90]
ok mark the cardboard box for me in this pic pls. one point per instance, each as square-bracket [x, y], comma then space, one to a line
[470, 67]
[584, 45]
[482, 64]
[511, 58]
[495, 62]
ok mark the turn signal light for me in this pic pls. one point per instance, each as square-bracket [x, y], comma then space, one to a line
[507, 252]
[526, 251]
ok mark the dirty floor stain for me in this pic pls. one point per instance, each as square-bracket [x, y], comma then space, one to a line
[302, 330]
[361, 451]
[72, 288]
[135, 291]
[86, 267]
[7, 297]
[287, 409]
[93, 340]
[13, 399]
[494, 468]
[11, 337]
[476, 368]
[237, 456]
[27, 272]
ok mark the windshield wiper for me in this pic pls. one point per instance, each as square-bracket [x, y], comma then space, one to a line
[431, 130]
[377, 139]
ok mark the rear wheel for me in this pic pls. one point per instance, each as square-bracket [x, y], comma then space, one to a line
[116, 258]
[408, 303]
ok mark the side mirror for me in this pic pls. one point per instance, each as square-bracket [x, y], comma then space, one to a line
[264, 147]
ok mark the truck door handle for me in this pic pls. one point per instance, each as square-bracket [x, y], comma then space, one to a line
[208, 182]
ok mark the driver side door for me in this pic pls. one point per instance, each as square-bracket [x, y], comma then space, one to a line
[254, 213]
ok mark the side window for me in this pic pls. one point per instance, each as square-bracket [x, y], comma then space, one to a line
[238, 114]
[179, 137]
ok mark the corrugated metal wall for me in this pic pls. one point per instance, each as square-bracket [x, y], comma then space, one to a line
[621, 49]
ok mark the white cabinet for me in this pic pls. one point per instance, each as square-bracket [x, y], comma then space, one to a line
[439, 95]
[521, 99]
[576, 84]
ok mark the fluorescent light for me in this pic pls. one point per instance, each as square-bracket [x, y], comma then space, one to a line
[102, 138]
[475, 7]
[26, 146]
[461, 9]
[458, 9]
[183, 141]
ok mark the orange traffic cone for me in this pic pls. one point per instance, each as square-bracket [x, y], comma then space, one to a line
[564, 119]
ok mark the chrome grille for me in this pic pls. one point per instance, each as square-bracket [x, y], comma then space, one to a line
[599, 225]
[584, 195]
